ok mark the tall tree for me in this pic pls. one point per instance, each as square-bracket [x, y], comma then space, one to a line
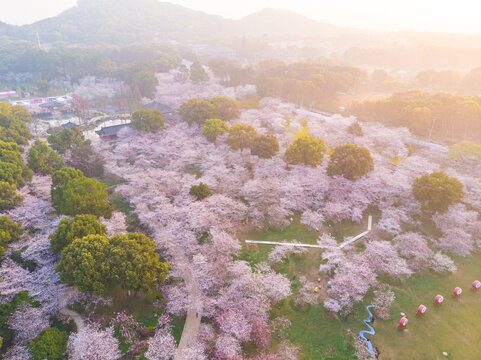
[8, 196]
[241, 136]
[305, 150]
[350, 161]
[66, 139]
[86, 263]
[197, 73]
[196, 111]
[214, 128]
[70, 229]
[83, 196]
[42, 159]
[265, 146]
[12, 168]
[225, 108]
[146, 82]
[147, 120]
[135, 263]
[437, 191]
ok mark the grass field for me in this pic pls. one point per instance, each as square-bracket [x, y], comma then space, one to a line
[455, 327]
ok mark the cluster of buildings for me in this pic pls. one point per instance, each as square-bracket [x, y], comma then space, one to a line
[45, 104]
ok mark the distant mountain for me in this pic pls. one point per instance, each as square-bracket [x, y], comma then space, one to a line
[124, 22]
[121, 22]
[273, 22]
[127, 21]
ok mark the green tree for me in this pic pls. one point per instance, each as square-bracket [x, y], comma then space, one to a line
[350, 161]
[135, 263]
[198, 74]
[200, 191]
[147, 120]
[225, 108]
[12, 168]
[214, 128]
[82, 195]
[4, 240]
[437, 191]
[66, 139]
[42, 159]
[9, 231]
[8, 196]
[265, 146]
[196, 111]
[50, 344]
[12, 228]
[12, 129]
[59, 179]
[241, 136]
[85, 263]
[355, 129]
[146, 82]
[95, 263]
[70, 229]
[305, 150]
[21, 113]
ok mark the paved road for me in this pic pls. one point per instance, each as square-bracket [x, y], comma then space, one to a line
[192, 322]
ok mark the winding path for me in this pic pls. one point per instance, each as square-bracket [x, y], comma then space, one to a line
[75, 316]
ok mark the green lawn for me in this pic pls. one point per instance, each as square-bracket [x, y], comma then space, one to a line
[455, 327]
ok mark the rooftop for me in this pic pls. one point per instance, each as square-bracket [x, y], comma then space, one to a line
[111, 130]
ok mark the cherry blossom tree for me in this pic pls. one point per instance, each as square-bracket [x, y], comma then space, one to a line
[441, 263]
[350, 283]
[383, 298]
[279, 253]
[162, 346]
[306, 293]
[116, 224]
[382, 257]
[313, 219]
[227, 347]
[28, 322]
[362, 351]
[458, 226]
[414, 248]
[288, 351]
[93, 343]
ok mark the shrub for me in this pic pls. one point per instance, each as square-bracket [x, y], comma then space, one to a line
[200, 191]
[50, 344]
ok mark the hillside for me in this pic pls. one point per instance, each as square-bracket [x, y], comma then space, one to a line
[127, 21]
[120, 22]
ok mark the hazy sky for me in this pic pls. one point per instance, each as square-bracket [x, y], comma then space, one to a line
[430, 15]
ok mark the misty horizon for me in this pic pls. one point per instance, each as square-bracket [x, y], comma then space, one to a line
[375, 15]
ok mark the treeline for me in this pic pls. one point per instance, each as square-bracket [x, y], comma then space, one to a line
[303, 83]
[441, 116]
[67, 62]
[430, 80]
[415, 57]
